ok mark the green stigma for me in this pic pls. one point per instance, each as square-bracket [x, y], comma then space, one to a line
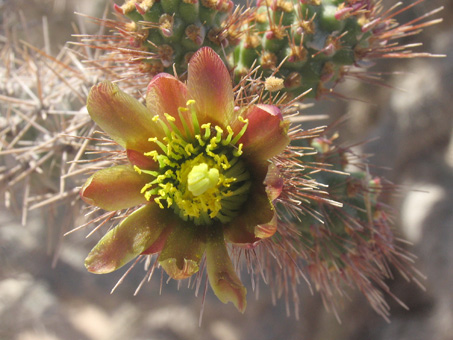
[201, 174]
[201, 179]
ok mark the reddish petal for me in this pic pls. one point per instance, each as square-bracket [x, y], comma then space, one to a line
[122, 117]
[159, 244]
[267, 133]
[210, 85]
[241, 231]
[259, 210]
[222, 277]
[165, 95]
[183, 251]
[130, 238]
[115, 188]
[255, 223]
[139, 159]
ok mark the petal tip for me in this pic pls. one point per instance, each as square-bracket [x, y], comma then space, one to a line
[157, 78]
[225, 283]
[228, 290]
[101, 92]
[177, 272]
[96, 265]
[84, 195]
[265, 230]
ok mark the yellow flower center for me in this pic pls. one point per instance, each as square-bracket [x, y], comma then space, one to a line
[201, 174]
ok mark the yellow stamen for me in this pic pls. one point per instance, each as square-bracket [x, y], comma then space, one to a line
[201, 176]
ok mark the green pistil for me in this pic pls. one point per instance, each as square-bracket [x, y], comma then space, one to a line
[202, 178]
[201, 174]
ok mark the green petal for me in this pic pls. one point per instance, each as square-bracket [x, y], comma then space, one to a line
[130, 238]
[210, 85]
[122, 117]
[115, 188]
[183, 251]
[222, 277]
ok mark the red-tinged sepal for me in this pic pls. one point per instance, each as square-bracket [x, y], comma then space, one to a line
[115, 188]
[222, 277]
[130, 238]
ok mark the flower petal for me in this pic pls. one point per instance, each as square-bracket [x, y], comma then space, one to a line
[259, 210]
[159, 244]
[210, 85]
[140, 160]
[267, 133]
[165, 95]
[115, 188]
[130, 238]
[122, 117]
[222, 277]
[273, 182]
[183, 251]
[267, 230]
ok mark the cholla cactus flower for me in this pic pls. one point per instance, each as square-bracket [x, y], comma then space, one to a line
[198, 174]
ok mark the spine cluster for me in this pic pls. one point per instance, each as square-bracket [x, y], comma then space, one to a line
[172, 30]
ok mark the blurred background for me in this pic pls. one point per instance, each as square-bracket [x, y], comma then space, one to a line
[409, 125]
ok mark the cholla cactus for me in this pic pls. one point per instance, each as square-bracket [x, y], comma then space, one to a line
[313, 44]
[307, 45]
[174, 30]
[163, 35]
[214, 168]
[349, 245]
[206, 171]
